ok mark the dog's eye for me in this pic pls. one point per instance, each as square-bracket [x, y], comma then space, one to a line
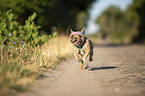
[80, 36]
[72, 37]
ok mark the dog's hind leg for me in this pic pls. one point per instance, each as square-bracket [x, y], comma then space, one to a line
[91, 51]
[91, 57]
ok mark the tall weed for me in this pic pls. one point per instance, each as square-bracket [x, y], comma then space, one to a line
[52, 51]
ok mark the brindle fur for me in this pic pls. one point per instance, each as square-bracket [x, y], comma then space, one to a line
[84, 50]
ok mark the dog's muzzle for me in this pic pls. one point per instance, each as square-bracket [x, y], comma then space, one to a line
[77, 42]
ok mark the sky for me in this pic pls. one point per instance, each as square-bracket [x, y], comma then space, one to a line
[98, 7]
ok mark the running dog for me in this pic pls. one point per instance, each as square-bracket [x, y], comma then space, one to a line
[83, 47]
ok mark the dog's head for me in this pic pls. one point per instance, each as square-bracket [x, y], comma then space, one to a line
[77, 38]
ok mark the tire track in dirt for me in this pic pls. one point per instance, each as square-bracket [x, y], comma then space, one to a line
[117, 71]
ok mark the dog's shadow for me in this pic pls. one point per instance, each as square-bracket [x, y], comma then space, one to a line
[102, 68]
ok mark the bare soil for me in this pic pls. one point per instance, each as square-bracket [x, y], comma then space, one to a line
[117, 70]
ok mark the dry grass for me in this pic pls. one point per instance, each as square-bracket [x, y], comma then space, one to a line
[53, 51]
[20, 69]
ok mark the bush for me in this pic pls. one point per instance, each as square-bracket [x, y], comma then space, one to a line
[17, 48]
[16, 33]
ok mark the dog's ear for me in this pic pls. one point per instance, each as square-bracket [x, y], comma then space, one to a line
[71, 31]
[83, 30]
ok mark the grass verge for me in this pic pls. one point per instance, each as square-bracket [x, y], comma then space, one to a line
[22, 65]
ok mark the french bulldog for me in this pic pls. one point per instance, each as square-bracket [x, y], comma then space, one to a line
[83, 47]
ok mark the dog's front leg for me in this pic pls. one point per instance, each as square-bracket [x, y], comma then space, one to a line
[77, 55]
[85, 54]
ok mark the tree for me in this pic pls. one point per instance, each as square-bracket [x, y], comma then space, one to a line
[81, 20]
[136, 15]
[62, 13]
[112, 23]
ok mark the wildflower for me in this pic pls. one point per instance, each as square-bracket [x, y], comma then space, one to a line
[14, 42]
[10, 34]
[21, 42]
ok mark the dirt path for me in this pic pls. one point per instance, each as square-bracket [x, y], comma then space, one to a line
[116, 71]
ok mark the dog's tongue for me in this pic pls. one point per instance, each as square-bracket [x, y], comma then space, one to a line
[77, 42]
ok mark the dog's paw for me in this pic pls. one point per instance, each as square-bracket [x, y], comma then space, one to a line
[86, 67]
[90, 59]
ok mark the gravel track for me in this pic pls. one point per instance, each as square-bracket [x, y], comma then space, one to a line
[115, 71]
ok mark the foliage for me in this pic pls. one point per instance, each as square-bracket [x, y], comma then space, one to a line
[81, 20]
[135, 13]
[60, 13]
[20, 33]
[19, 57]
[114, 25]
[124, 26]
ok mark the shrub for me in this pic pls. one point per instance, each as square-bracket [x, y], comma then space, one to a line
[21, 33]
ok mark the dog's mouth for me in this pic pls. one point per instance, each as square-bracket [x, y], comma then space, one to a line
[78, 42]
